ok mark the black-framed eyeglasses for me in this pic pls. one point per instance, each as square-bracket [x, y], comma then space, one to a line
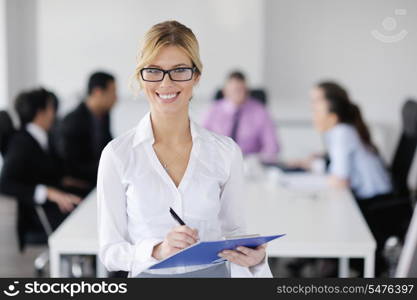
[177, 74]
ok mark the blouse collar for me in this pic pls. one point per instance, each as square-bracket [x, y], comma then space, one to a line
[144, 131]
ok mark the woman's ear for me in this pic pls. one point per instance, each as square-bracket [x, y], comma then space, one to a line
[196, 78]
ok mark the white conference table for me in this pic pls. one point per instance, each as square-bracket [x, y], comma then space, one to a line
[77, 235]
[318, 223]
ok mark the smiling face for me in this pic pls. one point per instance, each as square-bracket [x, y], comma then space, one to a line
[167, 96]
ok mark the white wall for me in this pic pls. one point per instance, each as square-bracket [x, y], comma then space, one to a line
[3, 58]
[307, 41]
[21, 25]
[283, 44]
[76, 37]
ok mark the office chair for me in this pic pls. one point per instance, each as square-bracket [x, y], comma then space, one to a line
[404, 154]
[35, 237]
[398, 208]
[257, 94]
[6, 131]
[26, 237]
[393, 213]
[74, 264]
[41, 261]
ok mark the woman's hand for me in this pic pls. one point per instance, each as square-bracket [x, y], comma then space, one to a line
[338, 182]
[178, 238]
[305, 163]
[245, 257]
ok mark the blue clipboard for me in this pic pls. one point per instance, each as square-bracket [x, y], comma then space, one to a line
[206, 252]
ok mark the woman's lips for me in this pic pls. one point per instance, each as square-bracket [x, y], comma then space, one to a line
[167, 97]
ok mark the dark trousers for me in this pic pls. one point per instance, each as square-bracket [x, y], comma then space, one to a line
[29, 227]
[385, 219]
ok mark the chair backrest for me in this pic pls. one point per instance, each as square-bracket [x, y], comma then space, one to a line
[257, 94]
[6, 131]
[404, 153]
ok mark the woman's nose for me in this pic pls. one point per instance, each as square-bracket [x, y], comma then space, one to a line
[166, 81]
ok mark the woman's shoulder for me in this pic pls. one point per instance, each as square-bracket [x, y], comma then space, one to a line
[344, 131]
[219, 152]
[122, 144]
[223, 143]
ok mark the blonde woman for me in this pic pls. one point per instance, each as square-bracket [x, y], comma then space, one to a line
[170, 161]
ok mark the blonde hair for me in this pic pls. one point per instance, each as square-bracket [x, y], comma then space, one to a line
[168, 33]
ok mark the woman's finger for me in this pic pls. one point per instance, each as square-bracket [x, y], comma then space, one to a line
[187, 230]
[180, 241]
[173, 250]
[262, 246]
[178, 244]
[245, 250]
[183, 237]
[245, 256]
[235, 257]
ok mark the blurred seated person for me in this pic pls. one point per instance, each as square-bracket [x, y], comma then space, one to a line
[85, 131]
[32, 172]
[244, 119]
[354, 161]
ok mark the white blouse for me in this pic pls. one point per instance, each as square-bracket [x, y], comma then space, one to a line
[351, 160]
[135, 192]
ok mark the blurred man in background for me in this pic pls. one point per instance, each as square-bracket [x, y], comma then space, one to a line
[32, 172]
[244, 119]
[85, 131]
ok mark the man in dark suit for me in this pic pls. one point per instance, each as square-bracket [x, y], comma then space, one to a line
[32, 172]
[85, 131]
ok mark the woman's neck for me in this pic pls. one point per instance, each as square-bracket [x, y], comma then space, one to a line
[171, 128]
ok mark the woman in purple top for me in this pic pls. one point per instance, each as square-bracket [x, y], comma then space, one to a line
[244, 119]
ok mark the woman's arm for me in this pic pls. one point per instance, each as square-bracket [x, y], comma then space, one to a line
[245, 262]
[340, 154]
[338, 182]
[306, 163]
[117, 251]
